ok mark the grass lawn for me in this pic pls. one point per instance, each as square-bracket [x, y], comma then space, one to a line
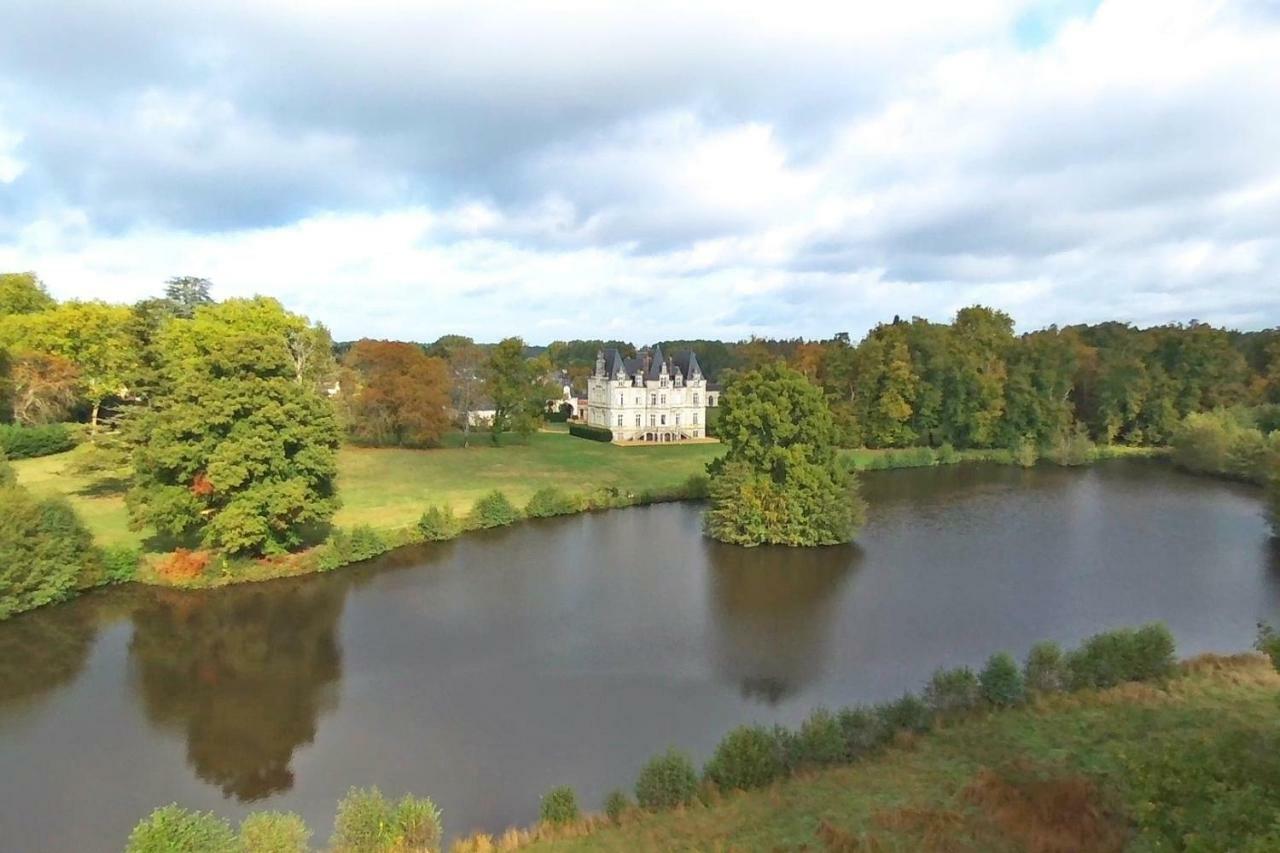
[390, 488]
[1064, 774]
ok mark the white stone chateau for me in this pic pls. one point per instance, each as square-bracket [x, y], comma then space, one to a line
[649, 398]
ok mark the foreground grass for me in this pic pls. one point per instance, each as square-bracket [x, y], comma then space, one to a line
[1066, 773]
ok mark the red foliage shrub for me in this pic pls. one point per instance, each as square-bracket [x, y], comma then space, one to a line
[183, 564]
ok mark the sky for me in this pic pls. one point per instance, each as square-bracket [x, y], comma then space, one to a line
[650, 170]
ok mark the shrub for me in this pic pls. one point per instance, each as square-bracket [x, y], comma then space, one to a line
[439, 524]
[909, 713]
[947, 454]
[274, 832]
[173, 829]
[1024, 452]
[1202, 442]
[592, 432]
[493, 510]
[746, 758]
[183, 564]
[1045, 670]
[367, 543]
[1002, 683]
[820, 741]
[1072, 448]
[616, 805]
[667, 781]
[45, 551]
[8, 477]
[120, 563]
[1268, 643]
[1113, 657]
[559, 806]
[953, 691]
[696, 488]
[864, 731]
[550, 501]
[369, 823]
[28, 442]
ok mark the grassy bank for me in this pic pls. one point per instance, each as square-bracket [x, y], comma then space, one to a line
[1188, 764]
[387, 490]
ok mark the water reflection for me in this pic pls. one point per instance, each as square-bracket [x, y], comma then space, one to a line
[44, 650]
[245, 673]
[771, 611]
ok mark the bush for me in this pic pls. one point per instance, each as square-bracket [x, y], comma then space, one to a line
[367, 543]
[616, 805]
[492, 510]
[909, 713]
[864, 731]
[1045, 670]
[592, 432]
[439, 524]
[696, 488]
[274, 832]
[1072, 448]
[820, 741]
[369, 823]
[1024, 453]
[28, 442]
[953, 691]
[173, 829]
[1268, 643]
[1113, 657]
[1002, 683]
[667, 781]
[746, 758]
[8, 477]
[559, 806]
[46, 552]
[120, 563]
[947, 454]
[550, 501]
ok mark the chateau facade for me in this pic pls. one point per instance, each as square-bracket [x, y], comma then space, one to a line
[650, 397]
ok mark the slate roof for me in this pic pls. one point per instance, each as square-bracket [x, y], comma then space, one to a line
[649, 363]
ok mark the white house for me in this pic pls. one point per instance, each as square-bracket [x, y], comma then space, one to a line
[648, 398]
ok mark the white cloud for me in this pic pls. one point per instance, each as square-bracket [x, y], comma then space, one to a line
[563, 170]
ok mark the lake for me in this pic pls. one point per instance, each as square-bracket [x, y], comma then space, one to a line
[485, 671]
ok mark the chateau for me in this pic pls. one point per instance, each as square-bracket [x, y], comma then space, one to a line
[650, 397]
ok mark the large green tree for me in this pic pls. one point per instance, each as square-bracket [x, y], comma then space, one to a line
[45, 550]
[186, 293]
[518, 387]
[234, 448]
[23, 293]
[780, 481]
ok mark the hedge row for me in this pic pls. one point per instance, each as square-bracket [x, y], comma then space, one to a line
[594, 433]
[28, 442]
[754, 756]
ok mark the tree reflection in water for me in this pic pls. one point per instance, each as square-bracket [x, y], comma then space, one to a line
[771, 610]
[45, 649]
[245, 672]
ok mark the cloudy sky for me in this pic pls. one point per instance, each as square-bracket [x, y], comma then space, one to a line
[648, 170]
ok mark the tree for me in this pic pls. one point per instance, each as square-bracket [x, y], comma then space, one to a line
[233, 449]
[187, 293]
[23, 293]
[779, 481]
[518, 388]
[467, 365]
[42, 387]
[92, 336]
[399, 394]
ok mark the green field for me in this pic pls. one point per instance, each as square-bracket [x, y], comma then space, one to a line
[1072, 772]
[390, 488]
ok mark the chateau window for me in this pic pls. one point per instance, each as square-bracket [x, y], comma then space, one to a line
[653, 399]
[664, 420]
[652, 420]
[619, 420]
[695, 417]
[695, 398]
[664, 399]
[677, 419]
[637, 420]
[638, 399]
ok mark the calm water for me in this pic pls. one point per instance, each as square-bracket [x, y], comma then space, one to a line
[484, 672]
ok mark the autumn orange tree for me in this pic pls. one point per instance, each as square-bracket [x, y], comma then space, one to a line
[395, 394]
